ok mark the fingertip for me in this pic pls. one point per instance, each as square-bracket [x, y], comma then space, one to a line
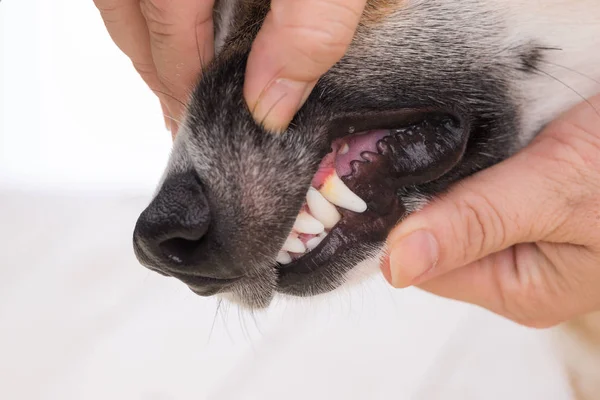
[412, 258]
[279, 102]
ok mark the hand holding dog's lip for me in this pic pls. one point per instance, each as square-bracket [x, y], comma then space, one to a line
[167, 41]
[298, 42]
[521, 238]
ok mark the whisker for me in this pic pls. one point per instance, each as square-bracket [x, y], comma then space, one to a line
[570, 88]
[212, 327]
[271, 109]
[200, 58]
[571, 70]
[171, 96]
[173, 119]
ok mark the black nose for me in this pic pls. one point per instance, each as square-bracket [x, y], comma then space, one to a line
[172, 235]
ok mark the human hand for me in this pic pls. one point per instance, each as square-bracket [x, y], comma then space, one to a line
[522, 238]
[167, 42]
[297, 43]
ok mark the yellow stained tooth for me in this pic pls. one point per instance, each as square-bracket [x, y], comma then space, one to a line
[322, 209]
[336, 191]
[305, 223]
[293, 245]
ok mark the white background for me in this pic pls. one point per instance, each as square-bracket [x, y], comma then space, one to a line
[82, 144]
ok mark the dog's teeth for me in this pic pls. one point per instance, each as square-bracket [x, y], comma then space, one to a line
[314, 242]
[284, 257]
[305, 223]
[336, 191]
[344, 149]
[293, 245]
[322, 209]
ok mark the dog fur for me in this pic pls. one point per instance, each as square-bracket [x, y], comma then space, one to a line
[505, 67]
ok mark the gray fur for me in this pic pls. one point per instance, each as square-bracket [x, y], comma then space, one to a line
[439, 53]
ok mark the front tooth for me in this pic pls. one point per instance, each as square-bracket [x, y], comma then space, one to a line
[322, 209]
[305, 223]
[314, 242]
[336, 191]
[283, 257]
[293, 245]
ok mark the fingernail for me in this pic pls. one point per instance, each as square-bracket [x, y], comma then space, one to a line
[279, 102]
[411, 257]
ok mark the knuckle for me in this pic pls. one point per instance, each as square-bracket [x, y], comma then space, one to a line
[107, 5]
[110, 10]
[323, 46]
[326, 37]
[531, 297]
[484, 227]
[157, 14]
[147, 71]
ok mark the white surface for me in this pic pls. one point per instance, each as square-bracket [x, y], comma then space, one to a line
[74, 112]
[80, 319]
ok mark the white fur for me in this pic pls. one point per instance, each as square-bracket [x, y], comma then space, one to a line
[570, 73]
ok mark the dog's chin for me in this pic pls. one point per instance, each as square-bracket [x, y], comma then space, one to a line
[255, 294]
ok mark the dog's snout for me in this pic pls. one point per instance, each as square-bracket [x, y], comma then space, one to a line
[181, 234]
[170, 231]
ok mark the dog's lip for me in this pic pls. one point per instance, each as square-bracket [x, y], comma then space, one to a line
[344, 236]
[197, 281]
[352, 122]
[371, 181]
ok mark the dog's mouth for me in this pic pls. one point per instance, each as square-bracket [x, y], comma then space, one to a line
[354, 200]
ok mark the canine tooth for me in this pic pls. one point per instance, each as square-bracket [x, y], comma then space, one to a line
[336, 191]
[314, 242]
[345, 148]
[322, 209]
[283, 257]
[305, 223]
[293, 245]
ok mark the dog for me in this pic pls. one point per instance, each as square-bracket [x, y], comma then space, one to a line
[428, 93]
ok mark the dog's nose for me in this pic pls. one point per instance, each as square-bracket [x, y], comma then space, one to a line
[174, 224]
[171, 231]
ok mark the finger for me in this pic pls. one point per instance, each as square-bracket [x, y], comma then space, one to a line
[298, 42]
[536, 195]
[494, 283]
[181, 42]
[526, 283]
[507, 204]
[127, 27]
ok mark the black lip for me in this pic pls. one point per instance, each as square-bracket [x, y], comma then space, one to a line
[377, 179]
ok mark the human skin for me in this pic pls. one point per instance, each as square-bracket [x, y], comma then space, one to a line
[168, 42]
[522, 238]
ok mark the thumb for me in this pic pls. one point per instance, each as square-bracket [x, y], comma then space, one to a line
[298, 42]
[518, 200]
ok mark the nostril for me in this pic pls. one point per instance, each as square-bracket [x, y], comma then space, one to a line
[173, 226]
[179, 249]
